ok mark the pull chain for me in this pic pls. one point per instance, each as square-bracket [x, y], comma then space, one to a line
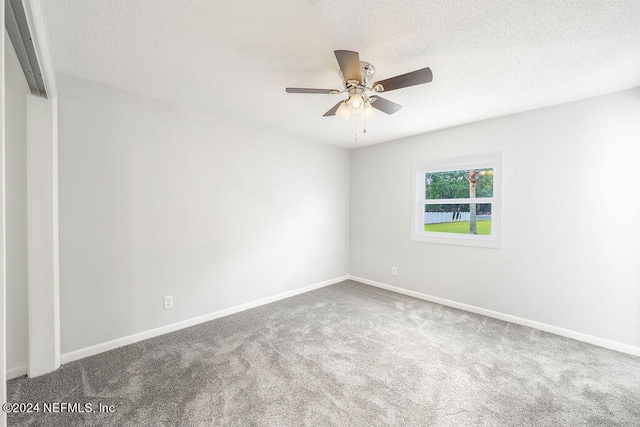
[364, 127]
[355, 132]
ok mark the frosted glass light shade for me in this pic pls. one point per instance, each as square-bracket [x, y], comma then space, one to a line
[368, 110]
[343, 111]
[356, 103]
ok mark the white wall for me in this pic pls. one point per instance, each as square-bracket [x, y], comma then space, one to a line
[571, 241]
[15, 146]
[156, 200]
[42, 242]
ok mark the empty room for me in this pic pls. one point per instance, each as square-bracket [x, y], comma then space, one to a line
[323, 213]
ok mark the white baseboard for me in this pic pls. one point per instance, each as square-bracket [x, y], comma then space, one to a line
[16, 372]
[602, 342]
[130, 339]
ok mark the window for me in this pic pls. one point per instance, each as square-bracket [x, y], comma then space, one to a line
[457, 201]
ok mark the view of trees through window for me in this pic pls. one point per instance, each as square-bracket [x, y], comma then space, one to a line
[451, 204]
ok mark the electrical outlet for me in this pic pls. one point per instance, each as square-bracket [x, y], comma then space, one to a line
[168, 302]
[394, 271]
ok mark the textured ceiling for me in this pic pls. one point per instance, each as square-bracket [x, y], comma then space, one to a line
[489, 58]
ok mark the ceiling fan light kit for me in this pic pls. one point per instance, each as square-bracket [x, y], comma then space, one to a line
[358, 82]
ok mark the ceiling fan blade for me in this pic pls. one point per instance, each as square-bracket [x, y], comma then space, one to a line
[385, 106]
[349, 62]
[307, 90]
[413, 78]
[333, 110]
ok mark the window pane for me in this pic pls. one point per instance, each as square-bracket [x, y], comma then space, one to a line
[460, 219]
[457, 184]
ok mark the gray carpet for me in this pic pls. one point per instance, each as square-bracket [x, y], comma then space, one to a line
[346, 355]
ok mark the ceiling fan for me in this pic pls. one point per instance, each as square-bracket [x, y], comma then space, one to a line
[358, 77]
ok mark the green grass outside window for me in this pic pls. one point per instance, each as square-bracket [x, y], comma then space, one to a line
[461, 227]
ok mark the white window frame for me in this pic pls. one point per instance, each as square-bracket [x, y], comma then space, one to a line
[478, 161]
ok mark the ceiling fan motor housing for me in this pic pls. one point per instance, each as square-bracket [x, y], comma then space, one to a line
[367, 73]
